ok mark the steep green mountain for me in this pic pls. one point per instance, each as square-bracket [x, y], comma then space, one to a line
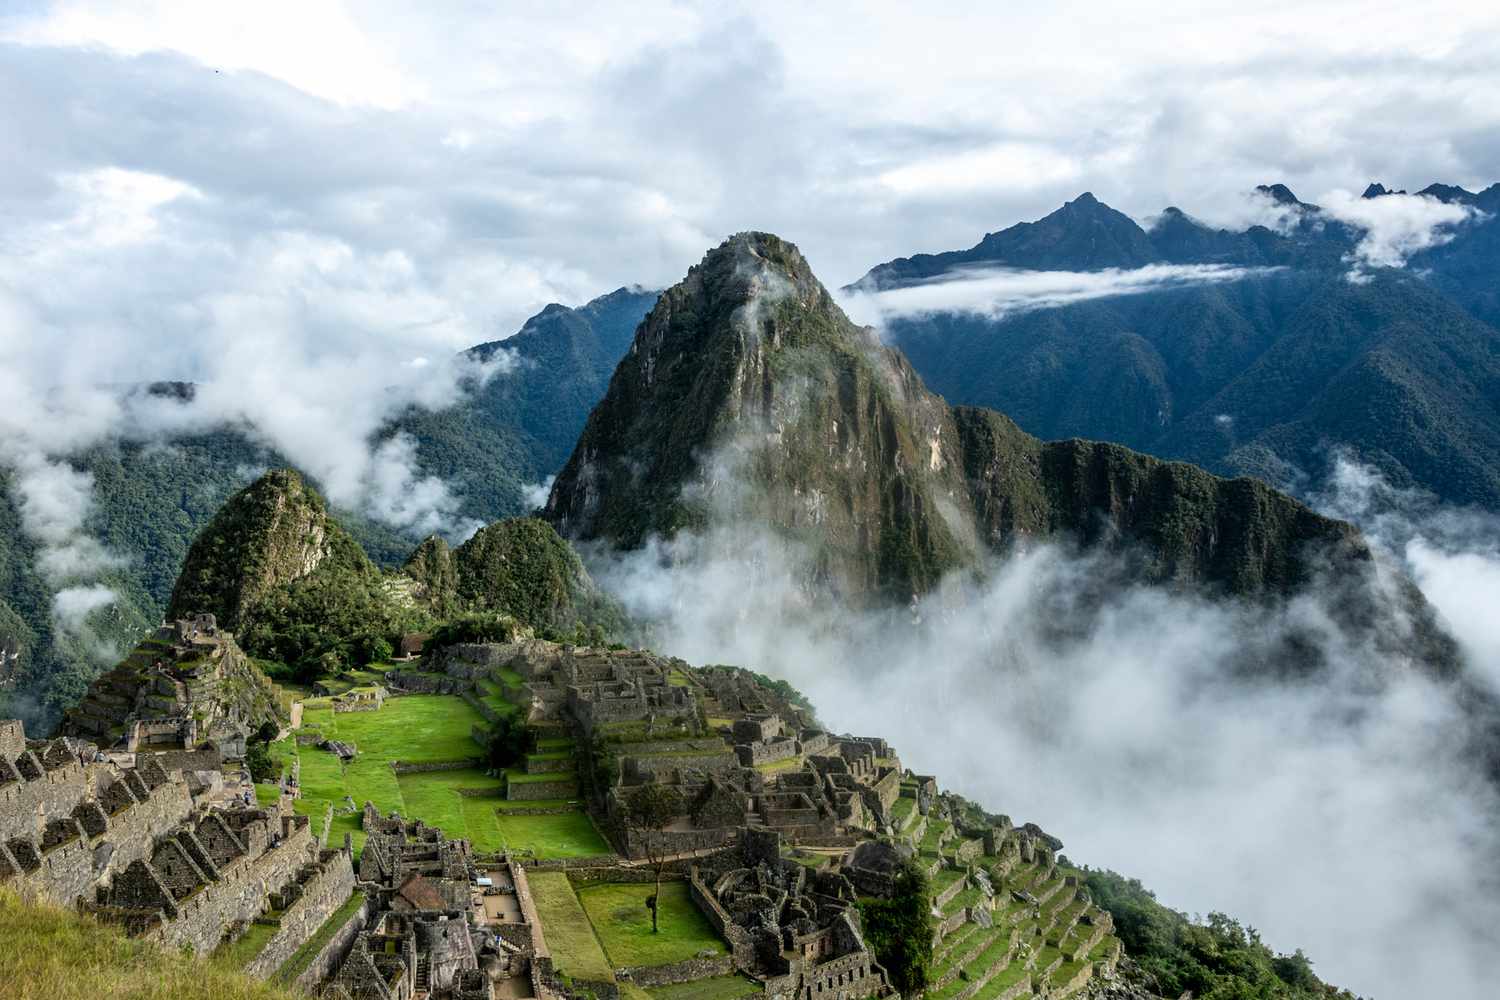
[275, 568]
[150, 500]
[519, 567]
[273, 533]
[1259, 376]
[748, 395]
[278, 570]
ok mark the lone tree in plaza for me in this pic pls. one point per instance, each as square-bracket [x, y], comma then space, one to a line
[645, 815]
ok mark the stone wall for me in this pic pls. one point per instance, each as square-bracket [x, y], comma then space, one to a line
[12, 738]
[332, 954]
[766, 752]
[320, 897]
[688, 971]
[408, 767]
[668, 765]
[534, 790]
[204, 759]
[47, 794]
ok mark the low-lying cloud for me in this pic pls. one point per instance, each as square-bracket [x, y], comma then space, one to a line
[1395, 226]
[304, 343]
[1339, 813]
[997, 292]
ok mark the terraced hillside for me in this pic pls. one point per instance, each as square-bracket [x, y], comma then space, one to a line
[1011, 919]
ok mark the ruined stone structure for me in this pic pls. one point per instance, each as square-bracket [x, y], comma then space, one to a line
[188, 687]
[70, 820]
[135, 846]
[440, 928]
[396, 849]
[795, 930]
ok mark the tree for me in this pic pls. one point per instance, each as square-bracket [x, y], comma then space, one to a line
[645, 814]
[598, 766]
[899, 929]
[259, 762]
[510, 741]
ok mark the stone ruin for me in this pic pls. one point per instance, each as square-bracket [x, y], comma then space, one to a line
[438, 927]
[367, 699]
[794, 929]
[784, 827]
[133, 845]
[187, 691]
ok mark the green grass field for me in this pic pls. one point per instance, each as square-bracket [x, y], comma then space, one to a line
[623, 924]
[422, 729]
[576, 952]
[54, 953]
[238, 953]
[558, 835]
[412, 728]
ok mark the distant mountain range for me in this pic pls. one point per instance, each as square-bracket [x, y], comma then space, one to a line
[1263, 375]
[151, 502]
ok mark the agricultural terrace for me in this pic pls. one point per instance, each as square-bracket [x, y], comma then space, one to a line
[420, 729]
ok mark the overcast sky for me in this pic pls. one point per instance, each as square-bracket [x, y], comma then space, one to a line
[486, 159]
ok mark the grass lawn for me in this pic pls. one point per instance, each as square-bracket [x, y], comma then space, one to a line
[553, 835]
[623, 924]
[566, 928]
[720, 988]
[239, 952]
[53, 953]
[267, 794]
[414, 728]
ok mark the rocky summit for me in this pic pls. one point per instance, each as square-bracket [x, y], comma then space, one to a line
[749, 394]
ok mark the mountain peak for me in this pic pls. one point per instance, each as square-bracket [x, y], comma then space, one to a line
[1279, 193]
[1378, 190]
[749, 398]
[271, 533]
[1451, 193]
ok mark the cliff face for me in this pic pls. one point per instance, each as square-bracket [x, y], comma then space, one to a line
[749, 395]
[274, 532]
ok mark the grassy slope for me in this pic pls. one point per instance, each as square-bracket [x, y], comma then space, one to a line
[54, 954]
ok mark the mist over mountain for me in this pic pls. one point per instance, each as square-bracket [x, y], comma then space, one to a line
[145, 487]
[1363, 325]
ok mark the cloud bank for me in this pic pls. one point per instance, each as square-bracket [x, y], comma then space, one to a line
[1152, 732]
[1395, 226]
[997, 292]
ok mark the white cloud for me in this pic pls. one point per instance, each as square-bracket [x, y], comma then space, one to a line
[1000, 292]
[71, 606]
[317, 46]
[536, 494]
[1006, 167]
[1341, 811]
[1395, 226]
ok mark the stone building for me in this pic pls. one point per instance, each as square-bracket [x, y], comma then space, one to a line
[795, 930]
